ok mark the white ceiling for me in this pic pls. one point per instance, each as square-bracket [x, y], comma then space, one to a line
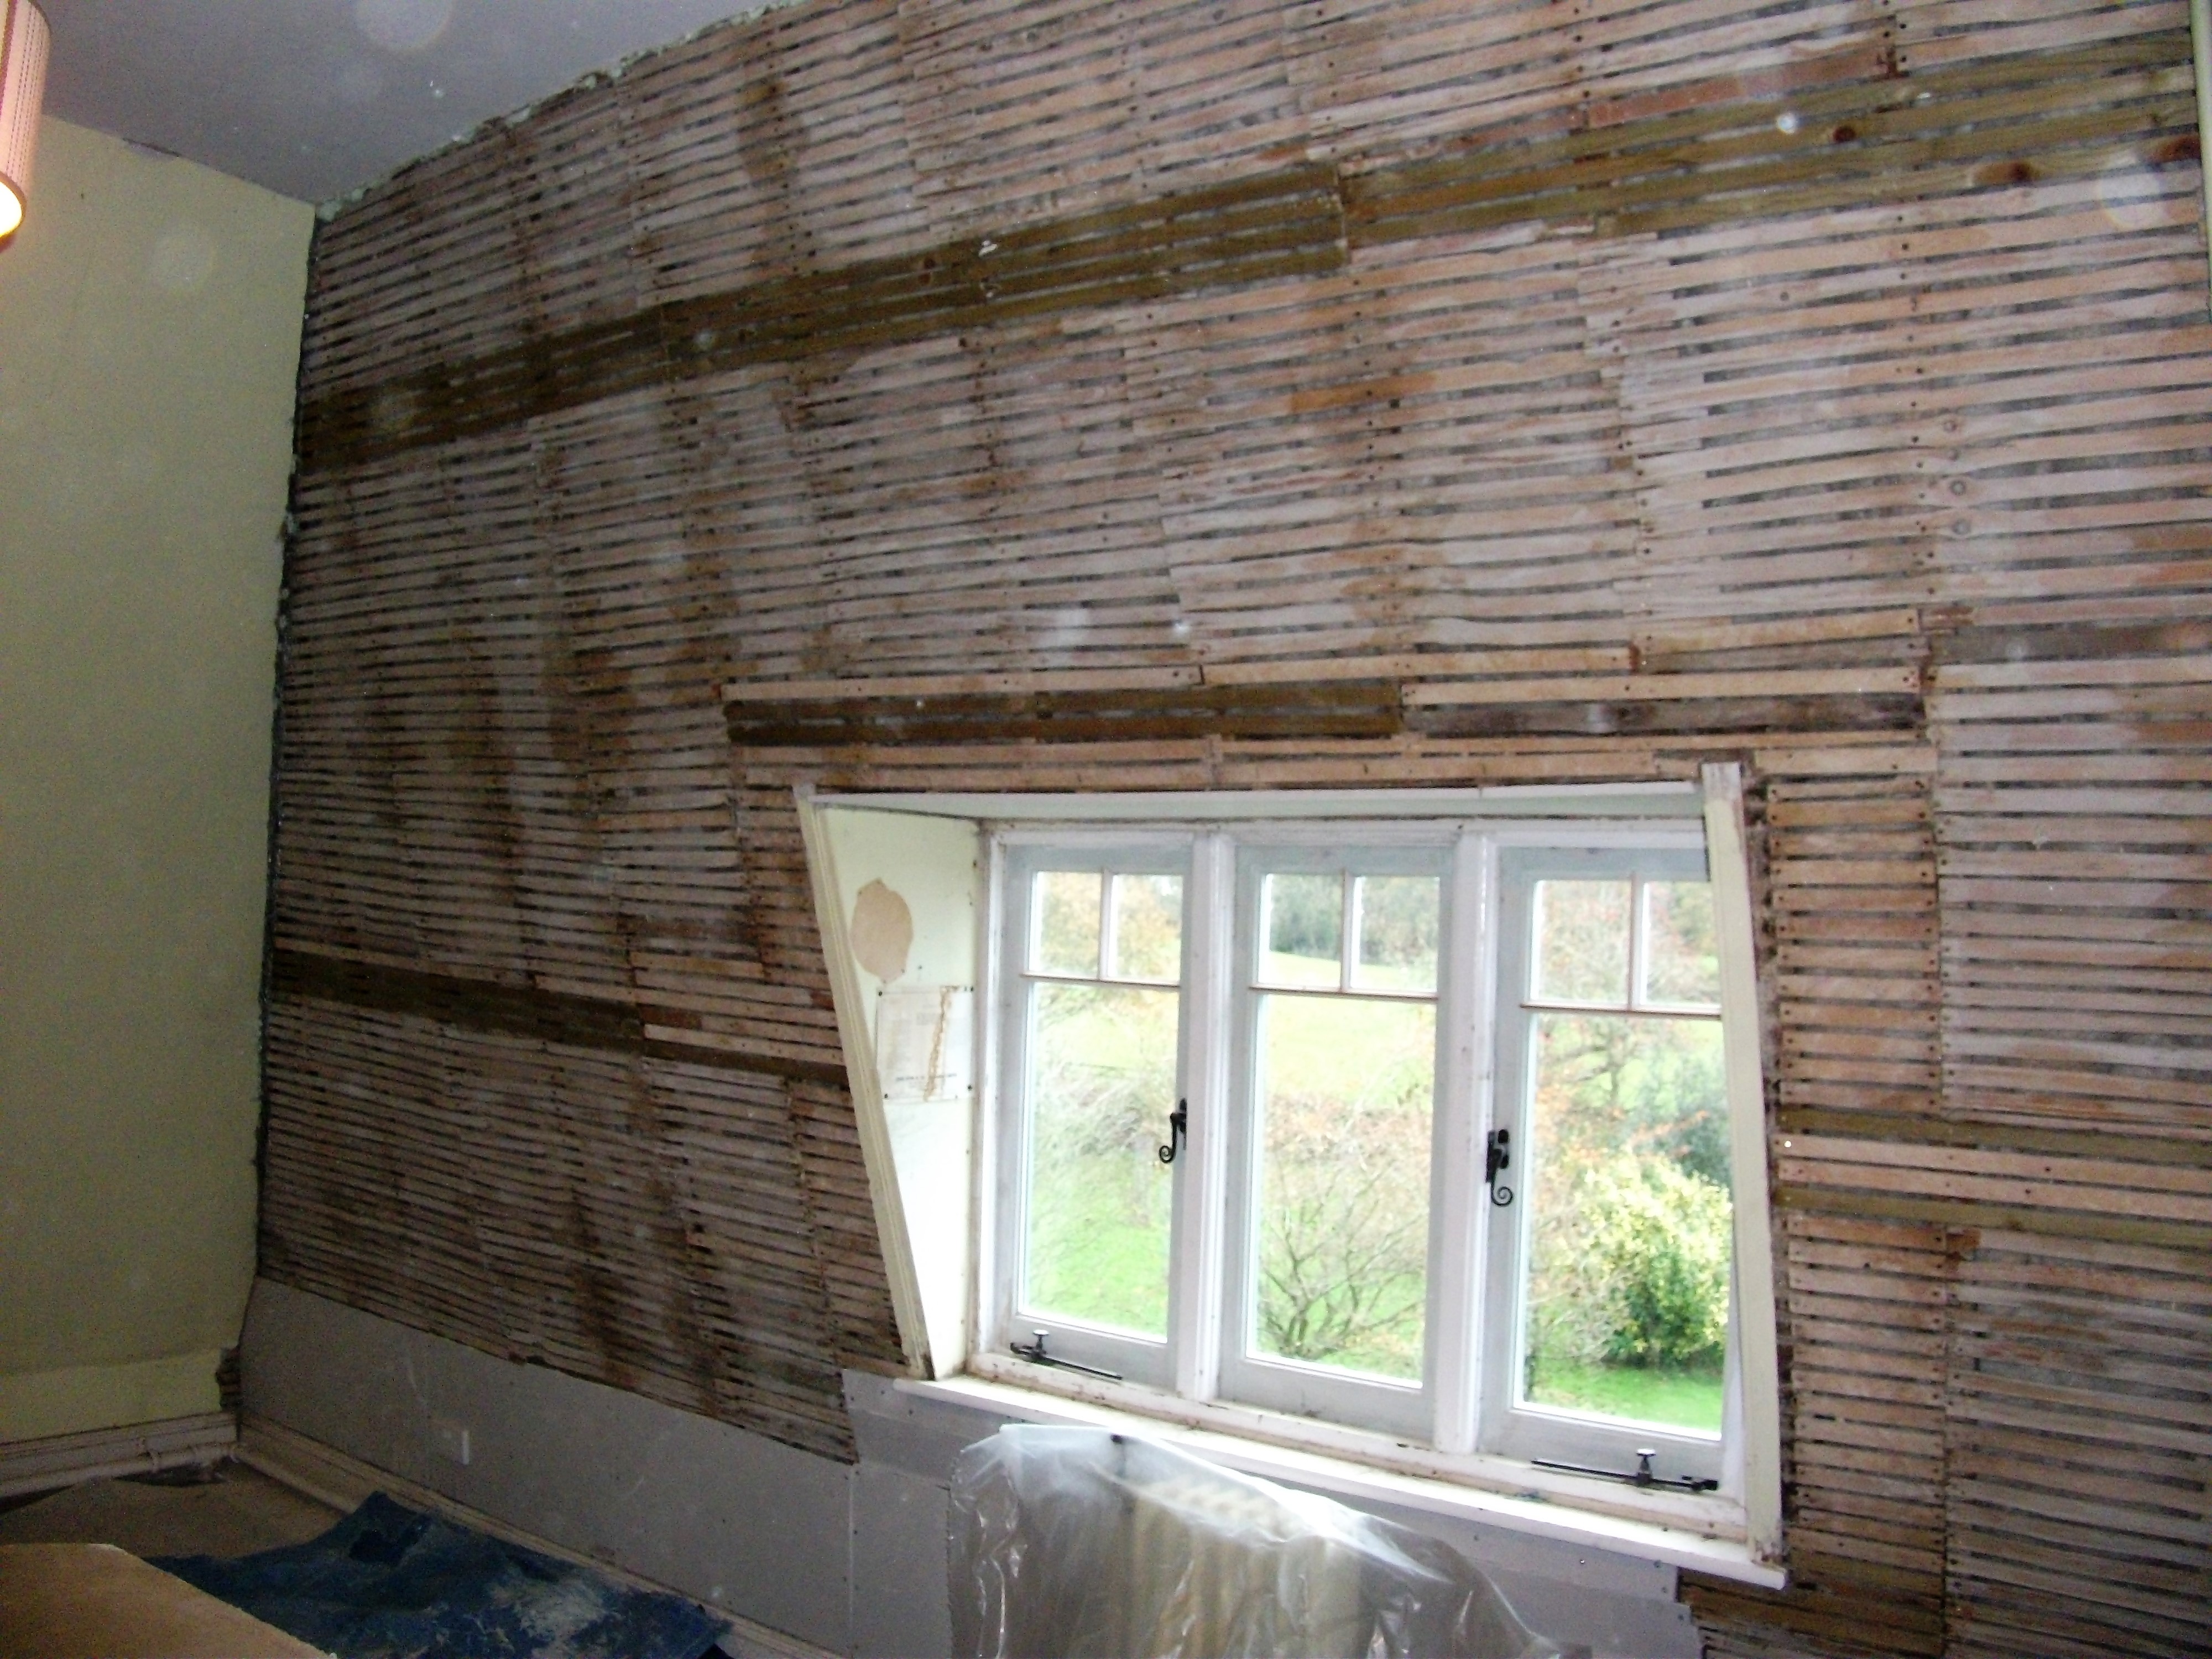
[316, 98]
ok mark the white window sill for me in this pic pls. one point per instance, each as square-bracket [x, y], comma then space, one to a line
[1702, 1534]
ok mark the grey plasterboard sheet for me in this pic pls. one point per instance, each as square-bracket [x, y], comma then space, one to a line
[900, 1596]
[844, 1558]
[1612, 1625]
[348, 1379]
[736, 1519]
[313, 99]
[917, 1433]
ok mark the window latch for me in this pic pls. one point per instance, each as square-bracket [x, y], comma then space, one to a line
[1178, 1132]
[1034, 1353]
[1498, 1154]
[1641, 1475]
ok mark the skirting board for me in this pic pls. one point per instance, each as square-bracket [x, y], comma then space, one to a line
[332, 1477]
[65, 1460]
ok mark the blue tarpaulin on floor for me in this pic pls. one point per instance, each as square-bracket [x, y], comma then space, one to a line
[388, 1581]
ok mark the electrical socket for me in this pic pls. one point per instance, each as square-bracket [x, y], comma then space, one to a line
[451, 1439]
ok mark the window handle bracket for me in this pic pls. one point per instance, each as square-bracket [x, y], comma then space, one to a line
[1498, 1154]
[1178, 1133]
[1034, 1353]
[1641, 1475]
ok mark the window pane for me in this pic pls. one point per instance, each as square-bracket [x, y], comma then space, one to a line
[1626, 1278]
[1397, 934]
[1345, 1100]
[1066, 909]
[1303, 928]
[1681, 963]
[1147, 928]
[1582, 941]
[1101, 1080]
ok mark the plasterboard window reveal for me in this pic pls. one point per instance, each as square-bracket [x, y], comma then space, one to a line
[1426, 1138]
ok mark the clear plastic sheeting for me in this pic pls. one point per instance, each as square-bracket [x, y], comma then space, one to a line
[1075, 1543]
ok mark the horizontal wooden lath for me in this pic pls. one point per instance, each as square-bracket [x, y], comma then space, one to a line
[1974, 1177]
[1992, 642]
[1336, 709]
[527, 1010]
[1649, 711]
[2002, 122]
[2039, 1140]
[1643, 704]
[2042, 1220]
[1814, 147]
[1279, 225]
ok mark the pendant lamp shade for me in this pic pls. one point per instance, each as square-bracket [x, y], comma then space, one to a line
[22, 87]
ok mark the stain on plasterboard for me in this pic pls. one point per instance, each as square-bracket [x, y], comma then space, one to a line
[882, 931]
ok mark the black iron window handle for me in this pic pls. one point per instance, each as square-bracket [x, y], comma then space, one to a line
[1498, 1154]
[1178, 1131]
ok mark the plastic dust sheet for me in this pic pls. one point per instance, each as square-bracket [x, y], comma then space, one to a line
[1073, 1543]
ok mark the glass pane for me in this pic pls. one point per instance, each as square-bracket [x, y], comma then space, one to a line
[1102, 1061]
[1397, 934]
[1066, 905]
[1147, 928]
[1625, 1293]
[1582, 941]
[1346, 1087]
[1681, 964]
[1304, 925]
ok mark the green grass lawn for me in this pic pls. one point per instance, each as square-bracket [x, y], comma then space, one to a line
[1680, 1398]
[1098, 1227]
[1098, 1239]
[1098, 1235]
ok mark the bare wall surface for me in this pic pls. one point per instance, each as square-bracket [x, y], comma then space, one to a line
[1169, 395]
[149, 336]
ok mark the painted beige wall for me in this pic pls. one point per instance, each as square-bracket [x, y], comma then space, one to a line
[150, 333]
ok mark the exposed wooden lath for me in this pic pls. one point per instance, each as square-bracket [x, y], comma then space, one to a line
[1398, 394]
[1357, 701]
[2041, 115]
[2077, 1383]
[627, 1026]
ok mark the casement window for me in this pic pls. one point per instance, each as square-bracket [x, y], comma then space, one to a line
[1416, 1127]
[1406, 1134]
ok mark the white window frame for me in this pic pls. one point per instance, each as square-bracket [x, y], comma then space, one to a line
[1451, 1474]
[1017, 857]
[1286, 1385]
[1511, 1427]
[1462, 1403]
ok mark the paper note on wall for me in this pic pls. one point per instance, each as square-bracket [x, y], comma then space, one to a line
[925, 1041]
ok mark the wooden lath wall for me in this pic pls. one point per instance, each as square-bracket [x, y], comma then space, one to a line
[1262, 394]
